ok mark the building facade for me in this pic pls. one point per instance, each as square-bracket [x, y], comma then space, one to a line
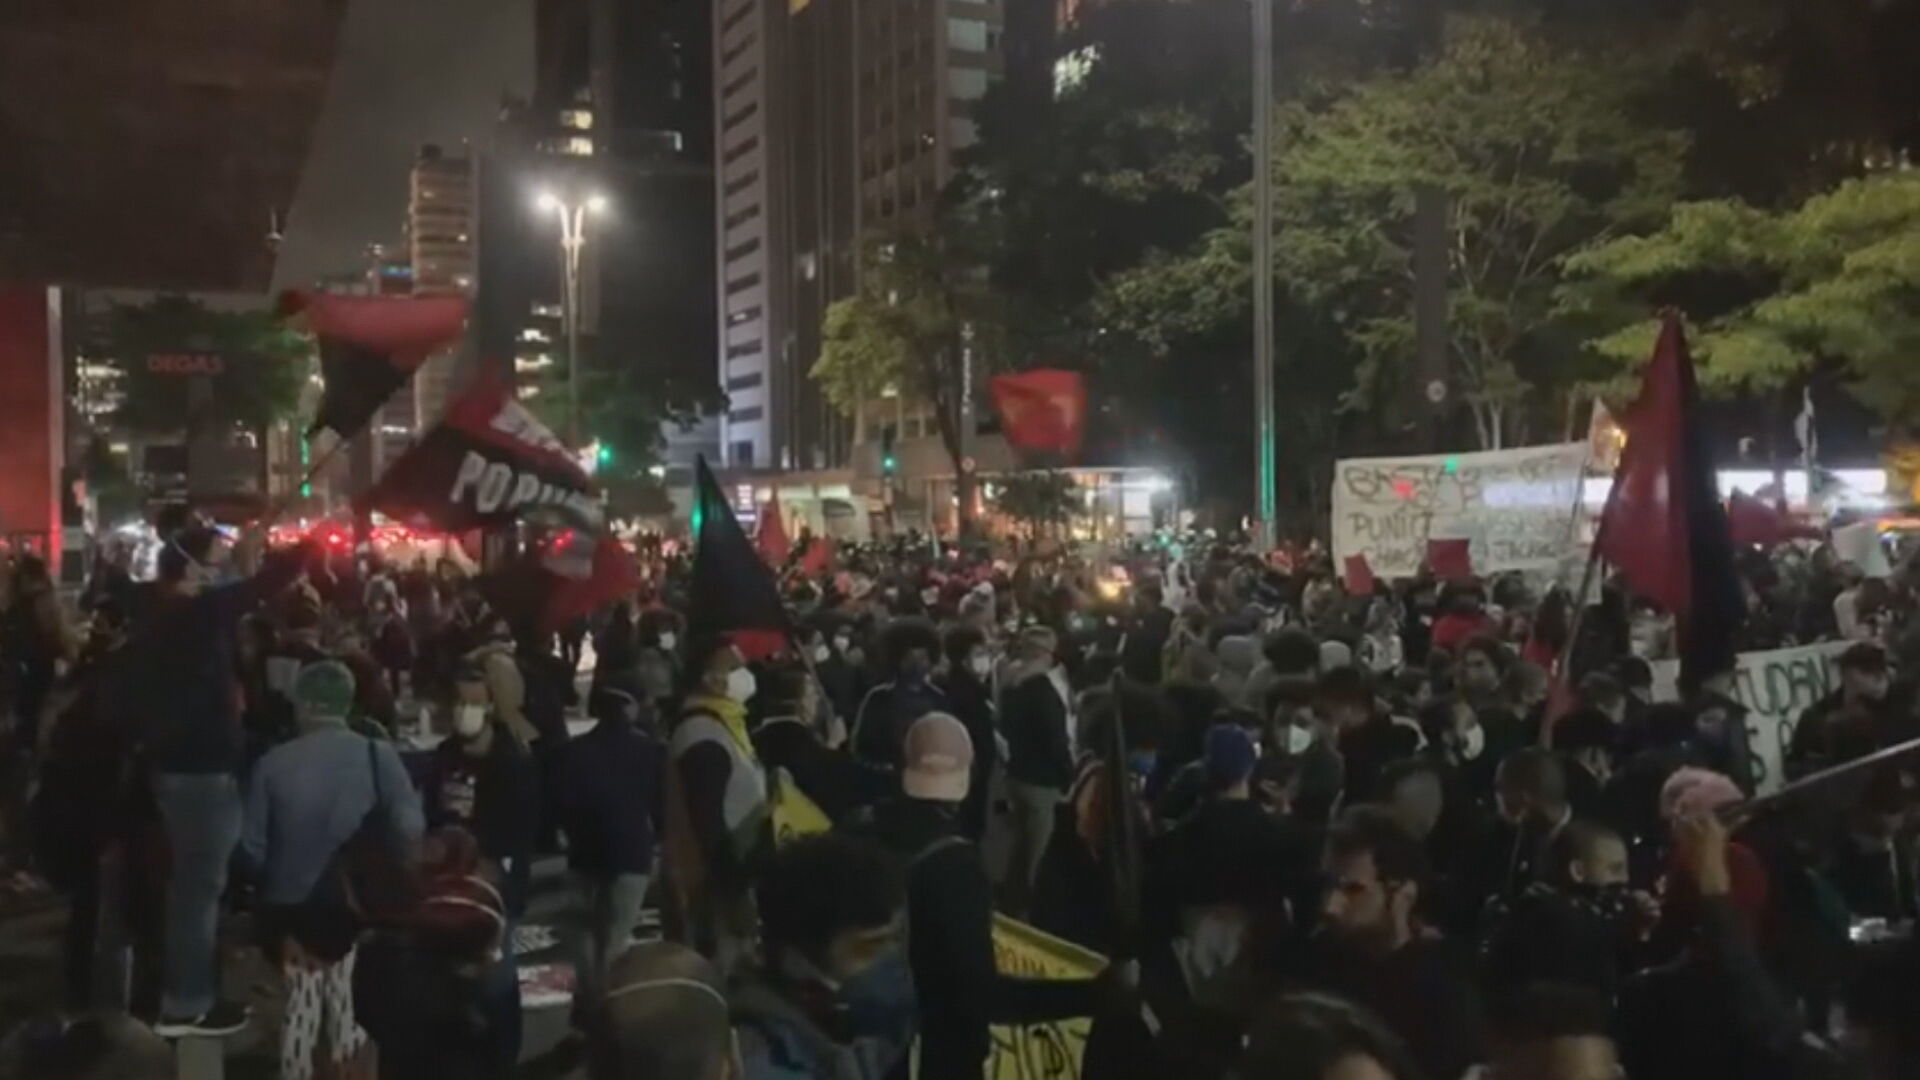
[832, 119]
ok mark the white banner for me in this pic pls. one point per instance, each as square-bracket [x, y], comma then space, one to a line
[1515, 507]
[1775, 687]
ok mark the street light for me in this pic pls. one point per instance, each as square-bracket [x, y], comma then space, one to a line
[573, 236]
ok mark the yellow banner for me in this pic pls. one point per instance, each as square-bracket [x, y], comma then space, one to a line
[1050, 1051]
[794, 814]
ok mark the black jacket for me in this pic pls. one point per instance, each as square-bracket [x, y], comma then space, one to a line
[1034, 720]
[1426, 993]
[971, 703]
[504, 814]
[880, 725]
[950, 945]
[835, 782]
[611, 799]
[180, 671]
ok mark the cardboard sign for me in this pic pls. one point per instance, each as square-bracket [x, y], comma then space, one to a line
[1515, 508]
[1775, 686]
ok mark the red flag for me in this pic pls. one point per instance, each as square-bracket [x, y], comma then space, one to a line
[1450, 560]
[1360, 581]
[817, 561]
[1043, 411]
[370, 346]
[1753, 521]
[771, 539]
[1663, 527]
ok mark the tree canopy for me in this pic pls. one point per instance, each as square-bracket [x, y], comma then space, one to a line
[1775, 294]
[263, 365]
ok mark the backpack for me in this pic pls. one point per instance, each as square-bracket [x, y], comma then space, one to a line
[368, 881]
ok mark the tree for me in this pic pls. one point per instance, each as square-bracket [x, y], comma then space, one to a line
[263, 366]
[923, 310]
[624, 407]
[1774, 294]
[1040, 500]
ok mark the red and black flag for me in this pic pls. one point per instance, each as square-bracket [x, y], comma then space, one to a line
[370, 346]
[733, 594]
[488, 463]
[491, 464]
[1043, 411]
[1663, 527]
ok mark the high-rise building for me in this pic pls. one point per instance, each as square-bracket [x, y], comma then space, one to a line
[833, 118]
[443, 242]
[622, 110]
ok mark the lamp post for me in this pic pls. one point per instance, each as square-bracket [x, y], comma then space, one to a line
[573, 236]
[1265, 510]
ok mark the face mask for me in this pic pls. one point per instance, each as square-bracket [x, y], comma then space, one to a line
[468, 720]
[928, 596]
[1472, 741]
[741, 685]
[981, 664]
[667, 641]
[821, 653]
[842, 644]
[1299, 739]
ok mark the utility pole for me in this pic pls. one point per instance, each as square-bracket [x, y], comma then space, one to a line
[1265, 467]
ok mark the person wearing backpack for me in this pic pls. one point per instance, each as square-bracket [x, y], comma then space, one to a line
[317, 809]
[950, 912]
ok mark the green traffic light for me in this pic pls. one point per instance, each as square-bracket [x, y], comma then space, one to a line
[605, 455]
[888, 463]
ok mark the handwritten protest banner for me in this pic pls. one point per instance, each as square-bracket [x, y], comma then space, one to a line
[1514, 507]
[1050, 1051]
[1775, 687]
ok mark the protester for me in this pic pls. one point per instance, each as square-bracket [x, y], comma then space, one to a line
[421, 984]
[832, 997]
[1548, 1031]
[177, 691]
[1314, 1037]
[1373, 950]
[664, 1017]
[969, 694]
[1037, 721]
[483, 780]
[911, 648]
[34, 641]
[610, 799]
[86, 1046]
[717, 812]
[789, 737]
[307, 800]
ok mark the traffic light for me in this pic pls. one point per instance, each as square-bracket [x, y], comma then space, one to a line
[889, 463]
[604, 456]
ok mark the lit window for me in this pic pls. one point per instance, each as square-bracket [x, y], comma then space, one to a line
[533, 333]
[577, 119]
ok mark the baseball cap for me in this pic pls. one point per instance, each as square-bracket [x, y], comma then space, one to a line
[324, 689]
[938, 758]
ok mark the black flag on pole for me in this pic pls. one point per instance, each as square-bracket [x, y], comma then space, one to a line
[370, 346]
[733, 593]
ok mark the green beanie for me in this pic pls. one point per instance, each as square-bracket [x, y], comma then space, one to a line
[324, 690]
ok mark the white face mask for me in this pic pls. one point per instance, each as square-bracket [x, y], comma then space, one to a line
[1299, 738]
[667, 640]
[468, 720]
[842, 644]
[820, 654]
[740, 685]
[981, 663]
[1472, 741]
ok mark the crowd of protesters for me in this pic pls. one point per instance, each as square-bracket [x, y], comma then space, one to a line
[1319, 834]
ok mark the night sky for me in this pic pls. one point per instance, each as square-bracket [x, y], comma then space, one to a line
[408, 72]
